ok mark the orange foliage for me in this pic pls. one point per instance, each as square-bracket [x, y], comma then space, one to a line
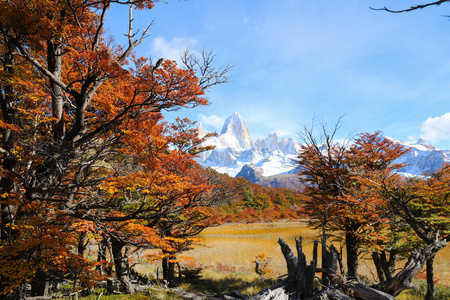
[263, 204]
[84, 150]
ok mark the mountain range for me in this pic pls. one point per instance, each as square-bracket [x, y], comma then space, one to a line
[271, 161]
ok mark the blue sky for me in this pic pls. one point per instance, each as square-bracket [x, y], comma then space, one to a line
[298, 60]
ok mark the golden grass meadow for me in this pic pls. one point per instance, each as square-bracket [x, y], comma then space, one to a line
[234, 247]
[227, 252]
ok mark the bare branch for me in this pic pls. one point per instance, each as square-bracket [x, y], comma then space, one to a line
[133, 43]
[99, 28]
[416, 7]
[74, 13]
[204, 70]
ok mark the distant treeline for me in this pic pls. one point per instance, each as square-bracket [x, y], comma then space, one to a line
[263, 204]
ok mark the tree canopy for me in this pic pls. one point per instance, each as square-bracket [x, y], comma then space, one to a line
[353, 187]
[84, 148]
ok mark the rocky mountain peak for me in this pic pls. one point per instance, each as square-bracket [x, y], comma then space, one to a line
[236, 127]
[422, 142]
[201, 131]
[271, 160]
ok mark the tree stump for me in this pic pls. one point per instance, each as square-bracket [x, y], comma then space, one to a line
[299, 283]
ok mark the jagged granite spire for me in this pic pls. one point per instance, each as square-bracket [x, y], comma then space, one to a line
[235, 126]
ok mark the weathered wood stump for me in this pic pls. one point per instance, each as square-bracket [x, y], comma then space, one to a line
[299, 283]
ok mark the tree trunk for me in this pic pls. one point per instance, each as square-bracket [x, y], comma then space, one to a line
[378, 266]
[180, 272]
[165, 267]
[40, 284]
[385, 268]
[120, 262]
[7, 105]
[103, 246]
[54, 63]
[101, 254]
[325, 263]
[416, 261]
[389, 265]
[82, 243]
[171, 277]
[168, 267]
[430, 279]
[352, 255]
[299, 283]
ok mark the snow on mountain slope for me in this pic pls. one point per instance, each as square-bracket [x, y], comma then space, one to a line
[422, 157]
[235, 151]
[235, 148]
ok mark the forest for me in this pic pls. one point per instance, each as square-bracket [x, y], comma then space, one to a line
[88, 160]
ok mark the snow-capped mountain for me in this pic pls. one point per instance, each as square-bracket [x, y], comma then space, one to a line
[271, 161]
[422, 158]
[235, 148]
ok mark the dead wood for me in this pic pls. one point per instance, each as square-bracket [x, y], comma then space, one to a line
[299, 283]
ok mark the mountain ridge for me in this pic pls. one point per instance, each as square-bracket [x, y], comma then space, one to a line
[271, 161]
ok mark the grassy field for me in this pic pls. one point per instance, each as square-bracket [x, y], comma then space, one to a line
[233, 248]
[227, 252]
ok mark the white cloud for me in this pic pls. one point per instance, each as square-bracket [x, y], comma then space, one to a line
[437, 128]
[212, 120]
[172, 49]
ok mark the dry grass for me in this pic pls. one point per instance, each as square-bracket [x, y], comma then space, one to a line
[235, 246]
[227, 252]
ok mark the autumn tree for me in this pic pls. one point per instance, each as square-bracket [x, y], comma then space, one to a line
[336, 200]
[202, 192]
[422, 204]
[70, 101]
[326, 178]
[180, 229]
[170, 193]
[372, 153]
[364, 183]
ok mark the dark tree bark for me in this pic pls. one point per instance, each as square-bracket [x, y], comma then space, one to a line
[325, 263]
[168, 267]
[299, 283]
[351, 246]
[377, 262]
[300, 277]
[430, 279]
[416, 261]
[54, 64]
[7, 99]
[82, 243]
[40, 284]
[103, 246]
[385, 267]
[389, 265]
[121, 264]
[415, 7]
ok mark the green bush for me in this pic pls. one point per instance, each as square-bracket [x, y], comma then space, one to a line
[442, 292]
